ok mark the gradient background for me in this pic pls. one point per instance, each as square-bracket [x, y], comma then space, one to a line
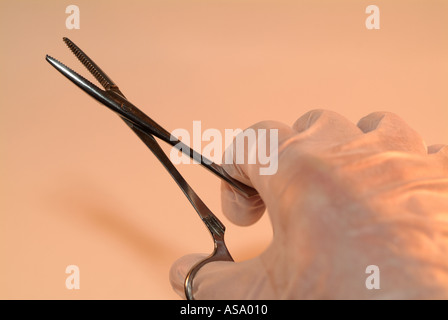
[78, 187]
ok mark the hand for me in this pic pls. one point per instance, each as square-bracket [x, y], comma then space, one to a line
[344, 197]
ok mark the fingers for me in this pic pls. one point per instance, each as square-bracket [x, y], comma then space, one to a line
[240, 210]
[315, 131]
[383, 131]
[220, 280]
[323, 131]
[391, 133]
[236, 207]
[326, 125]
[435, 148]
[439, 152]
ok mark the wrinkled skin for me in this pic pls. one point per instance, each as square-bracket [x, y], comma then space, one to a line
[345, 197]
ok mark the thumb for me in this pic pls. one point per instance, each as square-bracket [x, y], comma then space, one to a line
[180, 269]
[221, 279]
[237, 208]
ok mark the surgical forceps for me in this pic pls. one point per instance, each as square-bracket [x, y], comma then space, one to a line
[146, 128]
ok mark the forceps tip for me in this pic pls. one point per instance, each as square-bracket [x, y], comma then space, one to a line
[54, 62]
[91, 66]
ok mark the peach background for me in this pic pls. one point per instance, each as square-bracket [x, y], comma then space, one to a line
[78, 187]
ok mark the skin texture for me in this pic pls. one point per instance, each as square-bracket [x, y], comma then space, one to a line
[345, 196]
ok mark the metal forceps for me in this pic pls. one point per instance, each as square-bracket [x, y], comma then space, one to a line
[146, 128]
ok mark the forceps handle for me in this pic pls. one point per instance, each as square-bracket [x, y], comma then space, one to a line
[220, 253]
[216, 228]
[217, 170]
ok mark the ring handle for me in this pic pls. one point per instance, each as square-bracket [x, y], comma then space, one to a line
[220, 253]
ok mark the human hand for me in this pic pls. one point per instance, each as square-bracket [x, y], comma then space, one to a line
[344, 197]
